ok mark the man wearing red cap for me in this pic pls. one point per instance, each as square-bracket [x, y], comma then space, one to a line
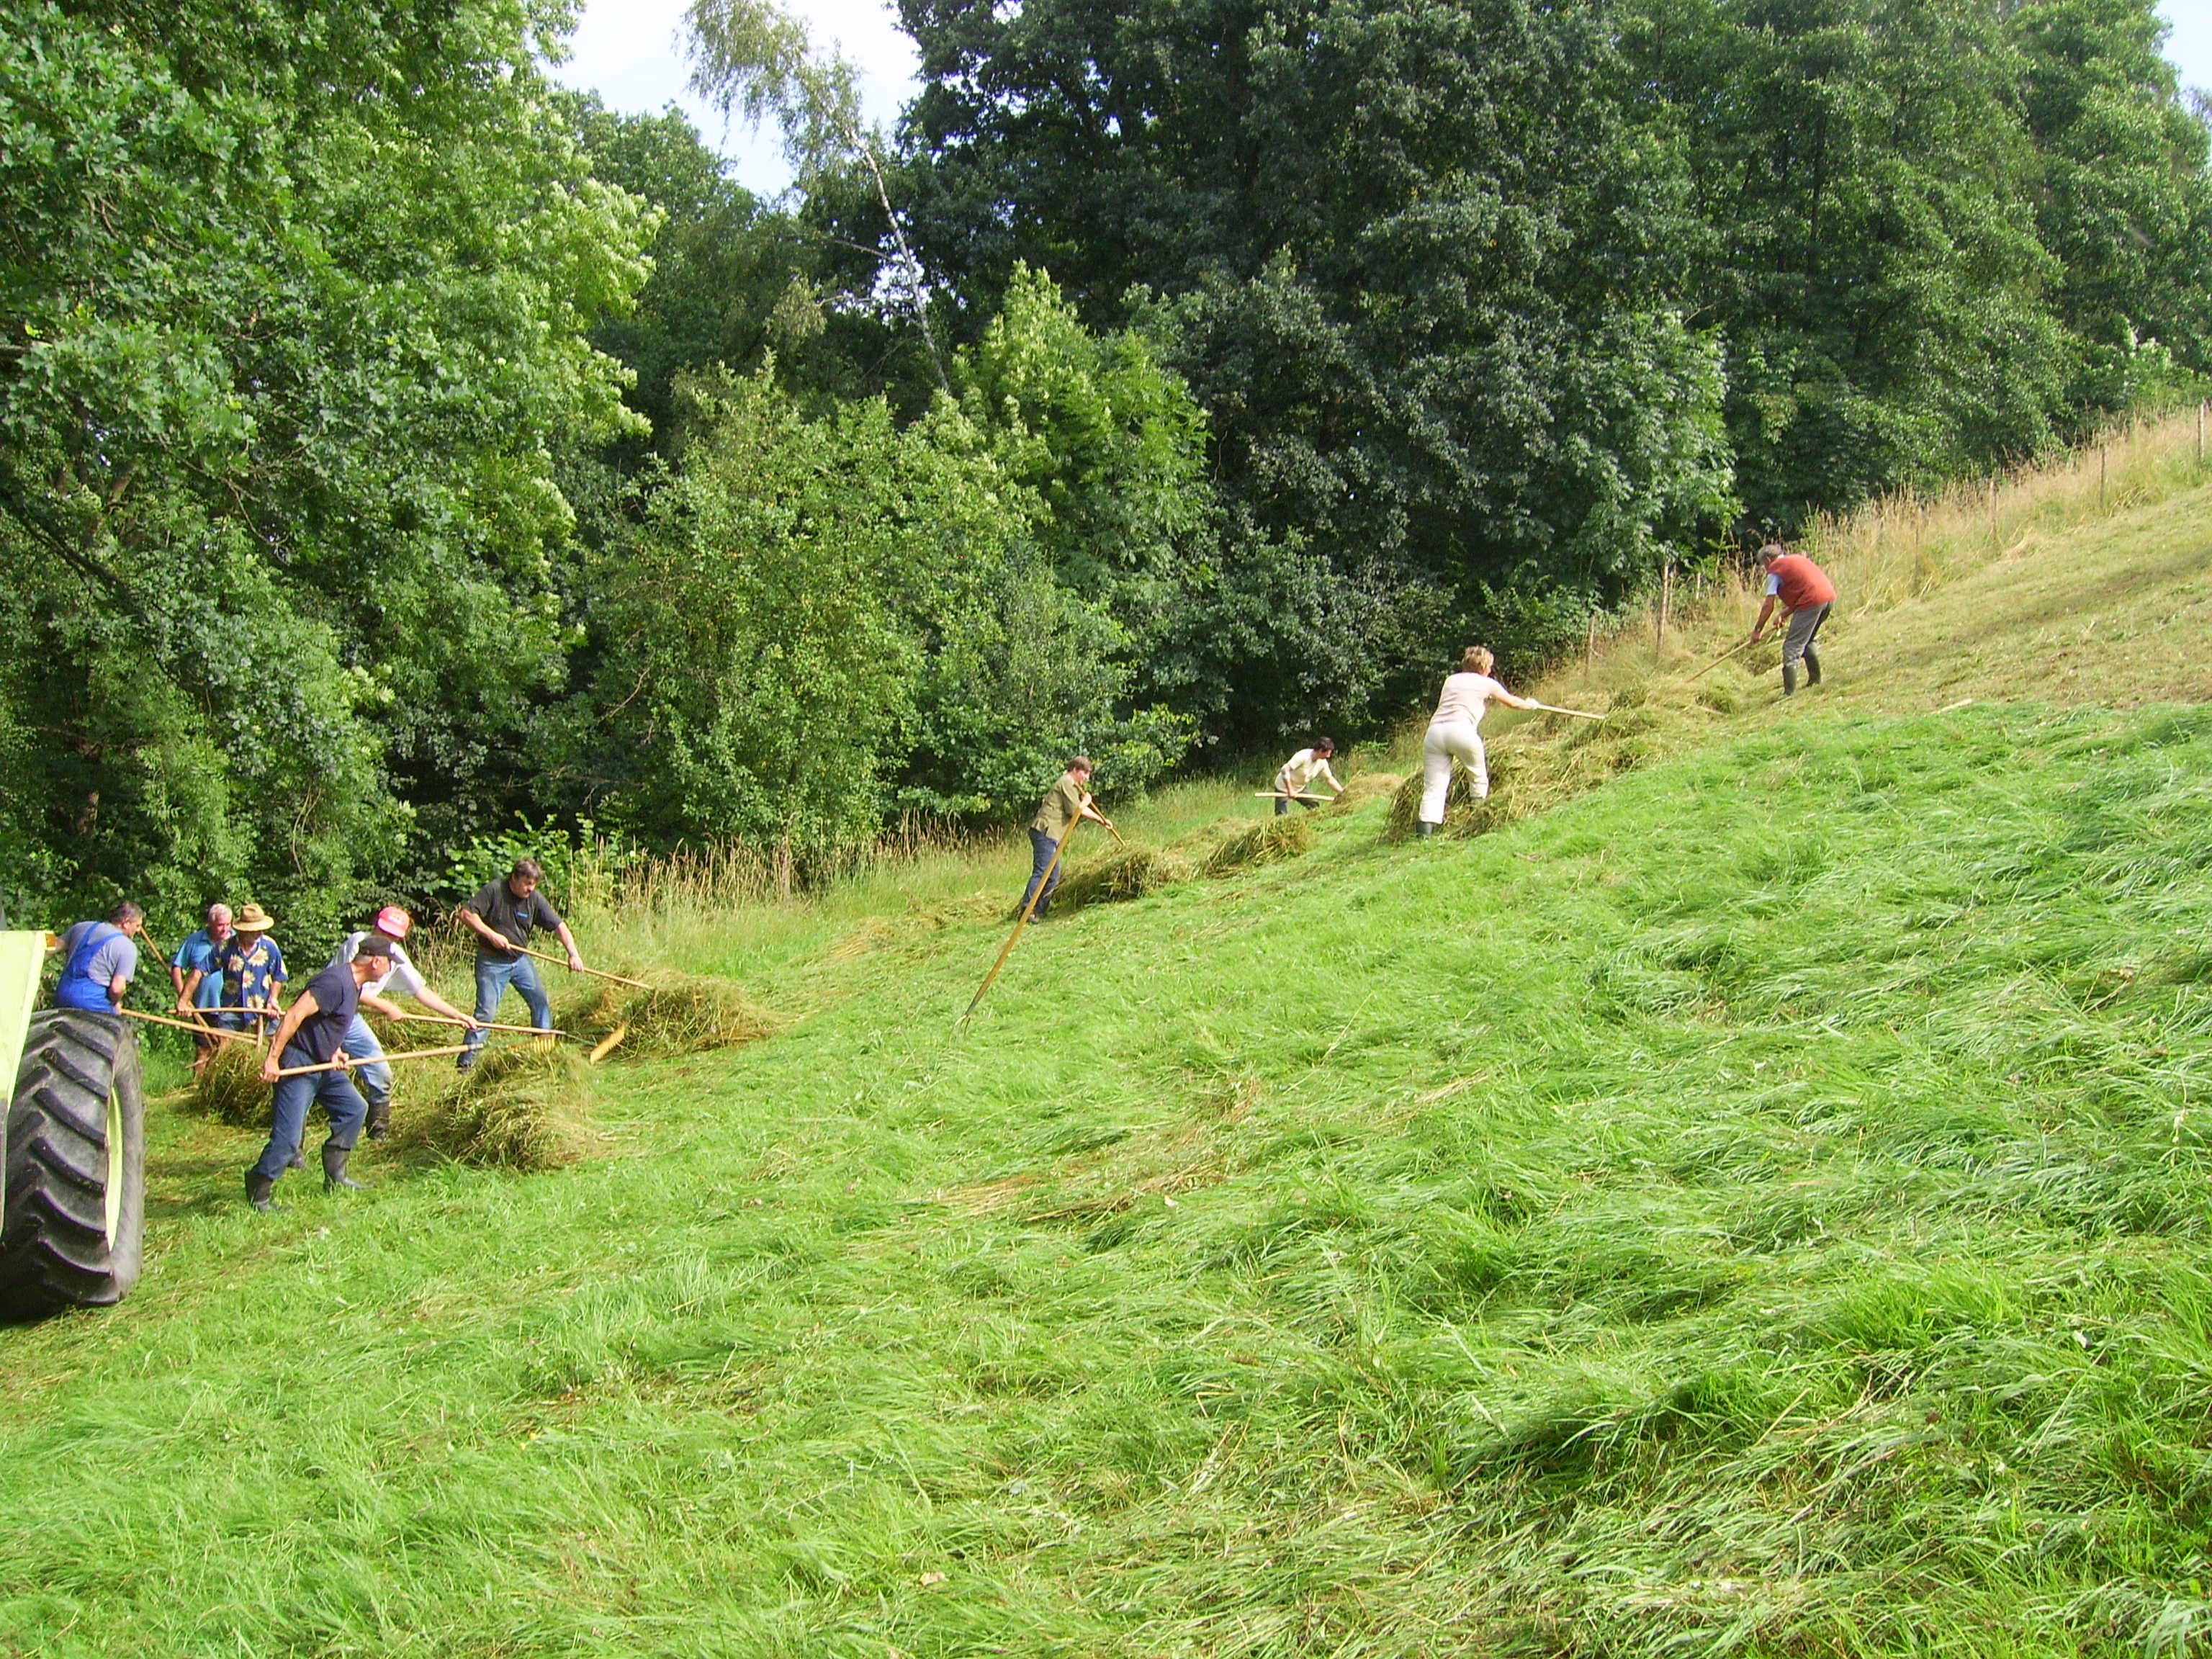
[1805, 593]
[393, 924]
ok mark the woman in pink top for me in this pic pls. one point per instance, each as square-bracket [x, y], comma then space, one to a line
[1455, 733]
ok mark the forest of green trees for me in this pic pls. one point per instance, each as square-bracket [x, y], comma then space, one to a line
[395, 447]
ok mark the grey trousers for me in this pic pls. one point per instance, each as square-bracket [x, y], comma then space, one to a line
[1803, 625]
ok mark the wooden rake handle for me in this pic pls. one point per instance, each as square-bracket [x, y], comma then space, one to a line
[596, 973]
[487, 1025]
[194, 1026]
[1717, 662]
[347, 1062]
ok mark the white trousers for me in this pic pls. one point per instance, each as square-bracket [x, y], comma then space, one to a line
[1450, 741]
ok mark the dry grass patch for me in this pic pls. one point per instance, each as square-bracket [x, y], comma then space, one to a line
[229, 1089]
[1268, 842]
[526, 1106]
[680, 1014]
[1128, 872]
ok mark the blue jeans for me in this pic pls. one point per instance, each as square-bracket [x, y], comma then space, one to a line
[288, 1114]
[493, 977]
[1041, 847]
[362, 1044]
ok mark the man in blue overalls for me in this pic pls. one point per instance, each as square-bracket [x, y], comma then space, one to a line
[98, 961]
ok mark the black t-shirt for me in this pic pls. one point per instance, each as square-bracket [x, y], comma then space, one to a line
[337, 997]
[497, 903]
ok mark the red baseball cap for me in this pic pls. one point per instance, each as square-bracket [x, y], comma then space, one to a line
[393, 920]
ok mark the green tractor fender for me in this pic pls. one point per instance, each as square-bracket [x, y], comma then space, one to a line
[72, 1148]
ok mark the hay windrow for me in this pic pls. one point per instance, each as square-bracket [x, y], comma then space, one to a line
[229, 1089]
[1365, 786]
[525, 1106]
[681, 1014]
[1268, 842]
[1128, 872]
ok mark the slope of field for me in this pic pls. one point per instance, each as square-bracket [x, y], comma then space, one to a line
[1759, 1205]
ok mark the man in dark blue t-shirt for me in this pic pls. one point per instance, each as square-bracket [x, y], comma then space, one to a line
[311, 1033]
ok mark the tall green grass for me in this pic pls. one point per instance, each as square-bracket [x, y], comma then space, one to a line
[1758, 1206]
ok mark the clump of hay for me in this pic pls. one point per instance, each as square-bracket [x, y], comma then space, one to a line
[680, 1014]
[1405, 805]
[1268, 842]
[1366, 787]
[229, 1089]
[525, 1106]
[1719, 697]
[1128, 872]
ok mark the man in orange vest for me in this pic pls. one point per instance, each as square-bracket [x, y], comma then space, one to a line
[1806, 595]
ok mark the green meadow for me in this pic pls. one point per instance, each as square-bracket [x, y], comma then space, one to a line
[1757, 1204]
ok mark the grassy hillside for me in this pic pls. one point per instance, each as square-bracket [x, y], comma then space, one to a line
[1758, 1206]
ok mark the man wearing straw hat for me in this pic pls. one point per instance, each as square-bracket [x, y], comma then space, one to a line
[311, 1035]
[253, 970]
[1806, 594]
[393, 924]
[502, 914]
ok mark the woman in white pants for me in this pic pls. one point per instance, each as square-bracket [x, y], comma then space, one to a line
[1455, 733]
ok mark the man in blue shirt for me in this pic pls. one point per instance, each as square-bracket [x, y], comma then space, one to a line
[197, 970]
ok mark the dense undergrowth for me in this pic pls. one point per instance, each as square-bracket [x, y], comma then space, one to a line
[1757, 1205]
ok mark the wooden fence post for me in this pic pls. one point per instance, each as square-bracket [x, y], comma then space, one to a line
[2101, 455]
[1666, 595]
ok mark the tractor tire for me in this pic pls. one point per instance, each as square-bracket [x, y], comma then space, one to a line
[74, 1230]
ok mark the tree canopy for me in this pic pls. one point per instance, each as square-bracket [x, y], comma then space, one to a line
[392, 443]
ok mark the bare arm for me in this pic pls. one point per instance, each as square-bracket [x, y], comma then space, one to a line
[568, 943]
[187, 986]
[1090, 811]
[1765, 611]
[383, 1006]
[286, 1028]
[484, 931]
[437, 1004]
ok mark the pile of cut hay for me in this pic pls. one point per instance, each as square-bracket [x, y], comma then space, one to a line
[1366, 787]
[229, 1089]
[1127, 872]
[1534, 771]
[681, 1014]
[1268, 842]
[525, 1106]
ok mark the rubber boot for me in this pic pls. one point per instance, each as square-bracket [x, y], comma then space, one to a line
[334, 1175]
[1812, 666]
[1788, 679]
[261, 1192]
[1427, 829]
[378, 1122]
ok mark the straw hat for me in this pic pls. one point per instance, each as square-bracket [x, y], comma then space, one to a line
[253, 919]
